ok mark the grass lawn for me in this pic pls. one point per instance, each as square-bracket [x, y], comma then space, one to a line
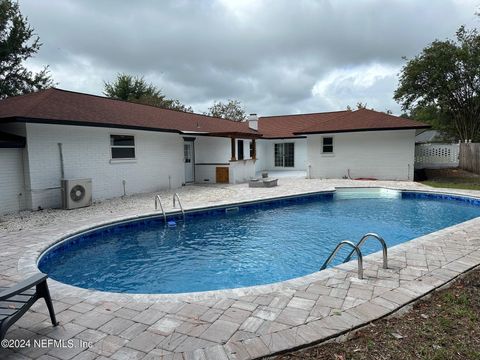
[445, 326]
[452, 179]
[452, 185]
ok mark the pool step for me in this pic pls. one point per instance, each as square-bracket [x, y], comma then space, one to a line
[366, 193]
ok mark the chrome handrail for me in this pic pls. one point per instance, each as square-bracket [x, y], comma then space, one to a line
[175, 196]
[157, 202]
[355, 248]
[382, 242]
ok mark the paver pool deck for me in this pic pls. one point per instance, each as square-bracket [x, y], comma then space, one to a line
[231, 324]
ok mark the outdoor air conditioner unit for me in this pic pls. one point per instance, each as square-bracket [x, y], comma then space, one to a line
[76, 193]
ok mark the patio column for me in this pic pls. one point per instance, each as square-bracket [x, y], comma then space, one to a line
[234, 156]
[254, 150]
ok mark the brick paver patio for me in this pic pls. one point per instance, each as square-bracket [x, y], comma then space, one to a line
[231, 324]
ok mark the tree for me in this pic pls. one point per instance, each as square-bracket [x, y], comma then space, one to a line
[18, 43]
[232, 110]
[446, 77]
[136, 89]
[362, 106]
[432, 115]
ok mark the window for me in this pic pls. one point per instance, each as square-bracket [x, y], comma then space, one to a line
[240, 149]
[327, 145]
[252, 150]
[285, 155]
[123, 146]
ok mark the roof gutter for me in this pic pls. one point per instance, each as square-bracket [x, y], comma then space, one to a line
[284, 137]
[85, 123]
[119, 126]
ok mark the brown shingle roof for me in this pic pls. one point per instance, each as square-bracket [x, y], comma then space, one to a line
[362, 120]
[67, 107]
[340, 121]
[285, 126]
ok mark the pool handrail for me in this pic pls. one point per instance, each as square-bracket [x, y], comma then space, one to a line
[157, 202]
[175, 196]
[365, 238]
[355, 248]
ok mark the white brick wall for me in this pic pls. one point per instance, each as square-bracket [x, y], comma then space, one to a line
[216, 150]
[241, 171]
[86, 153]
[266, 154]
[212, 149]
[12, 196]
[209, 149]
[386, 155]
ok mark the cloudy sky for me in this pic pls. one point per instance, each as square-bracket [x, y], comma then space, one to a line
[275, 56]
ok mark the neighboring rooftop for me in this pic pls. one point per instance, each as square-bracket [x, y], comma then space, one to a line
[429, 136]
[73, 108]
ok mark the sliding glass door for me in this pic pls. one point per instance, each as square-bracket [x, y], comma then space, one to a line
[285, 155]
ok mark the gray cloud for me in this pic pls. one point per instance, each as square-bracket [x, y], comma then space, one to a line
[276, 56]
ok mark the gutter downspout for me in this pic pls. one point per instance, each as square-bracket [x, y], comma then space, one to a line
[62, 169]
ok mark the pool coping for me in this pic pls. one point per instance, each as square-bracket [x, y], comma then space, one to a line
[28, 263]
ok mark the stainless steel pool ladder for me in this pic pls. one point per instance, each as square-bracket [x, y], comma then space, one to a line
[158, 201]
[365, 238]
[355, 249]
[175, 196]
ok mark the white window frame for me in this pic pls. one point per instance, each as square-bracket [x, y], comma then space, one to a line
[112, 159]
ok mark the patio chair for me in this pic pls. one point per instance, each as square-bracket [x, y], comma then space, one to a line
[16, 300]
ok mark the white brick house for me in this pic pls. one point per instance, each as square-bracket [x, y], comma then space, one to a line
[340, 144]
[71, 135]
[132, 148]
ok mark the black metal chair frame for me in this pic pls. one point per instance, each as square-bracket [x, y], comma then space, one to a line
[16, 300]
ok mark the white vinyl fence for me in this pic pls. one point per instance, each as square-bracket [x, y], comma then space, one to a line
[436, 156]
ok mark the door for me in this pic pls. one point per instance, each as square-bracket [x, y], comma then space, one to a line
[188, 161]
[221, 175]
[285, 155]
[240, 149]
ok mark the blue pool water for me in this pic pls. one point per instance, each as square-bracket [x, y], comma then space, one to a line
[256, 245]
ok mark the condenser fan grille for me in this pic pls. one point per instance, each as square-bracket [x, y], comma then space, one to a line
[77, 193]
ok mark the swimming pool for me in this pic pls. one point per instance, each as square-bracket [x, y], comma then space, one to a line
[250, 244]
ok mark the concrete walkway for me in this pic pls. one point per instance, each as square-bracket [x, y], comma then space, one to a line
[232, 324]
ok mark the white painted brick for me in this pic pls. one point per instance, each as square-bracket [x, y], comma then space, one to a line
[86, 153]
[11, 181]
[266, 155]
[384, 155]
